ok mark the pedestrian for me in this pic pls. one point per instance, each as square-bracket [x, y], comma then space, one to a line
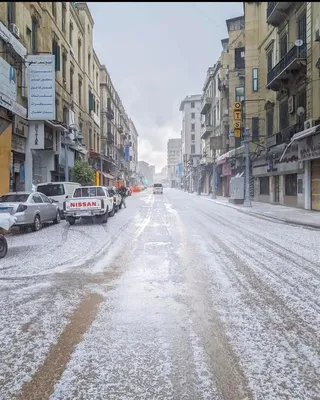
[123, 191]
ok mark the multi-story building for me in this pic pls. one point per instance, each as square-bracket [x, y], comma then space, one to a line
[190, 138]
[284, 97]
[133, 138]
[211, 124]
[173, 161]
[232, 87]
[15, 24]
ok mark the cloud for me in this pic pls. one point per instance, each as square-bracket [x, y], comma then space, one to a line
[156, 54]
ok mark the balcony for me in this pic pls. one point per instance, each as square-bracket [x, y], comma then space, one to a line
[276, 12]
[207, 129]
[110, 114]
[291, 63]
[110, 138]
[206, 105]
[284, 136]
[120, 129]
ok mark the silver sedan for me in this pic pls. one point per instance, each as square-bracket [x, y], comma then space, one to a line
[30, 209]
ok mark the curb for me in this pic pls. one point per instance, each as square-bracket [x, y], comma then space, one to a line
[264, 216]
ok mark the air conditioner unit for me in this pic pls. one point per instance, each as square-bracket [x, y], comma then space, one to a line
[15, 30]
[309, 123]
[291, 105]
[317, 35]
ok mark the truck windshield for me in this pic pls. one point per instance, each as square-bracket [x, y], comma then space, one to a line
[55, 189]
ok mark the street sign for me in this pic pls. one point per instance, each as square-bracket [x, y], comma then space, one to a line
[236, 115]
[236, 124]
[237, 106]
[237, 133]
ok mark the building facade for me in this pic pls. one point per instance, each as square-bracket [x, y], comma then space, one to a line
[190, 139]
[133, 138]
[174, 161]
[145, 173]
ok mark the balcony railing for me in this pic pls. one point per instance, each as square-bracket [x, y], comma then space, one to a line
[288, 61]
[284, 136]
[110, 138]
[206, 104]
[206, 131]
[110, 114]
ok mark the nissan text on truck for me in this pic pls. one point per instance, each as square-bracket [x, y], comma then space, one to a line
[93, 202]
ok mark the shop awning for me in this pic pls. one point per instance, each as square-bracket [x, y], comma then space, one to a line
[223, 158]
[108, 176]
[301, 135]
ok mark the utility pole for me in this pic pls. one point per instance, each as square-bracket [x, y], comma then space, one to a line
[246, 139]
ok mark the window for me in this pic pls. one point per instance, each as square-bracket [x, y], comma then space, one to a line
[301, 102]
[290, 184]
[264, 185]
[240, 93]
[34, 36]
[56, 52]
[193, 127]
[70, 33]
[63, 17]
[269, 60]
[193, 149]
[108, 103]
[66, 115]
[64, 66]
[283, 115]
[55, 189]
[255, 85]
[97, 81]
[79, 52]
[80, 90]
[97, 110]
[89, 64]
[269, 121]
[11, 12]
[90, 140]
[71, 79]
[91, 101]
[239, 54]
[36, 198]
[255, 129]
[302, 27]
[192, 104]
[54, 9]
[193, 137]
[283, 45]
[44, 198]
[193, 115]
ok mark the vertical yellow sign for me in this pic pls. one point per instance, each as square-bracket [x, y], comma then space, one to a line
[97, 178]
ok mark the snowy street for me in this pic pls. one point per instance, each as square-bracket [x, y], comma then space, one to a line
[176, 297]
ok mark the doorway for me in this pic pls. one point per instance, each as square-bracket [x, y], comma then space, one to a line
[276, 189]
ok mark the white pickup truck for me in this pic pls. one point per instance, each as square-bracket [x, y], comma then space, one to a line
[89, 202]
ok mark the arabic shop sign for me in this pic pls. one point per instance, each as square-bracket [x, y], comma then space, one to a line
[41, 87]
[309, 148]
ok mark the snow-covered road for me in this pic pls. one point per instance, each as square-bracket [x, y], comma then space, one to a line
[175, 298]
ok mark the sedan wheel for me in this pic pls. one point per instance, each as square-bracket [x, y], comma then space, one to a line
[57, 219]
[37, 224]
[3, 246]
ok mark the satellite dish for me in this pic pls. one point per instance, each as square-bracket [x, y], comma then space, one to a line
[300, 111]
[298, 42]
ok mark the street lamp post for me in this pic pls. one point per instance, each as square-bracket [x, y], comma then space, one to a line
[214, 196]
[246, 139]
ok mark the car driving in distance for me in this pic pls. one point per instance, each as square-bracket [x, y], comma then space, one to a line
[158, 188]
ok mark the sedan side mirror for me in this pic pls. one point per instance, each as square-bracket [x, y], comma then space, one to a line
[67, 196]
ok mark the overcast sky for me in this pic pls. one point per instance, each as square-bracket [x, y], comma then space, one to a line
[156, 54]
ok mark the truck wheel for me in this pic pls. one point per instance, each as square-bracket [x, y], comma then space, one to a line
[111, 213]
[71, 220]
[104, 217]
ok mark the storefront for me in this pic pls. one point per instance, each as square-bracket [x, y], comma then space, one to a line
[309, 152]
[226, 174]
[18, 147]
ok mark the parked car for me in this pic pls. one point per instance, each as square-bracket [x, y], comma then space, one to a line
[117, 199]
[89, 202]
[58, 191]
[30, 209]
[158, 188]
